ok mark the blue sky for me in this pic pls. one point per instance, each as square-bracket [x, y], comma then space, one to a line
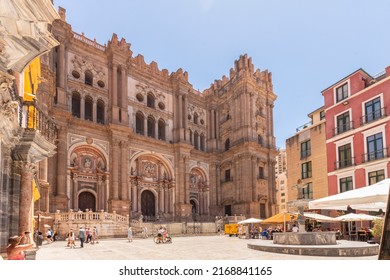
[307, 45]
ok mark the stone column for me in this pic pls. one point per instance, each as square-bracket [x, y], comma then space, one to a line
[26, 171]
[94, 111]
[100, 193]
[212, 124]
[172, 198]
[207, 201]
[166, 199]
[124, 192]
[134, 197]
[82, 107]
[186, 166]
[61, 162]
[75, 193]
[217, 128]
[180, 117]
[254, 177]
[114, 84]
[106, 192]
[146, 126]
[124, 95]
[185, 118]
[115, 170]
[156, 129]
[69, 97]
[161, 199]
[61, 65]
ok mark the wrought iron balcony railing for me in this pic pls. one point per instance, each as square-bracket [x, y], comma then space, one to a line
[344, 163]
[343, 128]
[373, 116]
[375, 155]
[31, 117]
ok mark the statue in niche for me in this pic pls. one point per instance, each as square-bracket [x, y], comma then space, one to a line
[149, 169]
[133, 171]
[193, 179]
[100, 165]
[87, 163]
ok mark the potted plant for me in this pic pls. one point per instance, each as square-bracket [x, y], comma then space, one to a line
[377, 230]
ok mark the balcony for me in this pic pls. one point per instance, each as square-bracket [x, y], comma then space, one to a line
[343, 128]
[304, 126]
[375, 155]
[344, 163]
[378, 114]
[38, 134]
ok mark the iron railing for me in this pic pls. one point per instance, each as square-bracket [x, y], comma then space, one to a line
[375, 155]
[343, 128]
[344, 163]
[380, 113]
[31, 117]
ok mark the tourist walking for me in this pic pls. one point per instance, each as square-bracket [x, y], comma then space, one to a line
[81, 236]
[95, 236]
[145, 232]
[88, 235]
[130, 234]
[71, 239]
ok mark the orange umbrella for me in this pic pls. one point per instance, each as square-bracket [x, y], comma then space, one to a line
[280, 218]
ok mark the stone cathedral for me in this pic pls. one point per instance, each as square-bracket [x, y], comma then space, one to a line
[138, 140]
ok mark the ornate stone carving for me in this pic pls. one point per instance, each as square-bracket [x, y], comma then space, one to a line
[82, 64]
[192, 109]
[149, 169]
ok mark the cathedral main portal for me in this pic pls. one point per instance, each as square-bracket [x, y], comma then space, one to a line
[87, 201]
[148, 206]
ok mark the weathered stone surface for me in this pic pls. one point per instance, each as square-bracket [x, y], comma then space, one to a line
[305, 238]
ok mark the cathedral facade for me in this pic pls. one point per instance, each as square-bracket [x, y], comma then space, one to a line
[142, 141]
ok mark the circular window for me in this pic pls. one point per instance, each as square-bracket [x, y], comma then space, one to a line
[75, 74]
[202, 121]
[140, 97]
[161, 105]
[101, 84]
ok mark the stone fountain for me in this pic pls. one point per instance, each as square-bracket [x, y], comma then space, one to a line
[303, 237]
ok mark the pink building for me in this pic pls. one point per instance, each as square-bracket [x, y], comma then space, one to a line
[357, 112]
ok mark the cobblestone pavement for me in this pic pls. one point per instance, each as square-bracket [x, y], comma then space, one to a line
[182, 248]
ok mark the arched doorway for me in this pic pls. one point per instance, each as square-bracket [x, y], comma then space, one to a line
[148, 204]
[87, 201]
[193, 204]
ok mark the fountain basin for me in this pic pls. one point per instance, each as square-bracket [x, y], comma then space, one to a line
[305, 238]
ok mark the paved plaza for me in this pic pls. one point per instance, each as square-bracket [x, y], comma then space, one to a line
[217, 247]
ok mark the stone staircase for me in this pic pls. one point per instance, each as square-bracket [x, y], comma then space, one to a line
[112, 225]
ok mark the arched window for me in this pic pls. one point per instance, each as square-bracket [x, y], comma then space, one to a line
[88, 78]
[161, 129]
[196, 118]
[139, 123]
[192, 142]
[227, 144]
[76, 98]
[151, 127]
[88, 105]
[150, 101]
[202, 143]
[196, 140]
[100, 111]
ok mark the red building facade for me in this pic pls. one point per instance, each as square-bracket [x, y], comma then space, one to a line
[357, 112]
